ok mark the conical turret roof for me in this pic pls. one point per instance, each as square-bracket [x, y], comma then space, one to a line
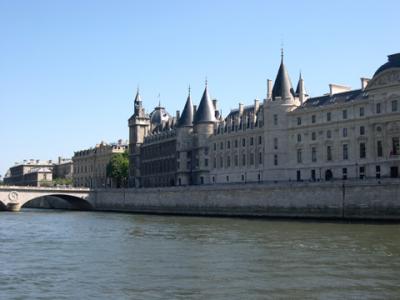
[205, 113]
[283, 86]
[299, 86]
[186, 118]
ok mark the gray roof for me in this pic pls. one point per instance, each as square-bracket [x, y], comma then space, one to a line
[283, 86]
[298, 86]
[336, 98]
[186, 118]
[205, 113]
[159, 115]
[137, 97]
[393, 62]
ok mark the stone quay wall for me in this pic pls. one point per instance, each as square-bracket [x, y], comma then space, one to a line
[334, 200]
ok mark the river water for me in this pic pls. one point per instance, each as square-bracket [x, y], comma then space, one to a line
[55, 254]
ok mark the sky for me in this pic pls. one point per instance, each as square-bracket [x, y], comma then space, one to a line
[69, 70]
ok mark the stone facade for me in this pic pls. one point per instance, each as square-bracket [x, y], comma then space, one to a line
[345, 134]
[90, 165]
[30, 173]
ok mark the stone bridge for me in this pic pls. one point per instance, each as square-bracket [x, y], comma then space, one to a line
[12, 198]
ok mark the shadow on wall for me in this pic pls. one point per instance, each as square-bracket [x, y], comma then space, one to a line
[2, 206]
[59, 202]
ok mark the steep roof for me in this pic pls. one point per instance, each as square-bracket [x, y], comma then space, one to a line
[283, 86]
[354, 95]
[298, 86]
[186, 118]
[393, 62]
[205, 113]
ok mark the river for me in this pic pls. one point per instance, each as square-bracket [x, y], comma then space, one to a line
[56, 254]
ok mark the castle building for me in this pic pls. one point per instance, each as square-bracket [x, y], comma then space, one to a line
[289, 136]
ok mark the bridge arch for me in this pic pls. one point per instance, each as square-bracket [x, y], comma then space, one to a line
[77, 203]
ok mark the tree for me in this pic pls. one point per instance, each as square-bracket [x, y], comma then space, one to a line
[117, 168]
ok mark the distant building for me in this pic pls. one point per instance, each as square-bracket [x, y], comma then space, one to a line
[90, 165]
[63, 168]
[344, 134]
[30, 173]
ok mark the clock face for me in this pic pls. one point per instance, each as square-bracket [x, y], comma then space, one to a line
[13, 196]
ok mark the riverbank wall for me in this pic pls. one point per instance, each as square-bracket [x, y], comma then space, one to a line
[333, 200]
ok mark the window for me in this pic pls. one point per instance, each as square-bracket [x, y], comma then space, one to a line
[379, 149]
[251, 141]
[362, 111]
[221, 162]
[344, 132]
[378, 108]
[299, 138]
[313, 154]
[313, 136]
[206, 162]
[243, 159]
[228, 144]
[345, 148]
[298, 175]
[206, 150]
[362, 172]
[227, 178]
[215, 146]
[260, 140]
[344, 173]
[363, 153]
[275, 119]
[344, 114]
[236, 160]
[260, 158]
[394, 105]
[378, 172]
[313, 177]
[214, 163]
[395, 146]
[328, 134]
[298, 156]
[275, 143]
[236, 143]
[242, 177]
[221, 145]
[251, 159]
[298, 120]
[329, 153]
[313, 119]
[201, 180]
[275, 160]
[362, 130]
[243, 142]
[328, 116]
[228, 161]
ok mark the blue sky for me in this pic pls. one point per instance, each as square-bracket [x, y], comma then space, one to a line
[69, 69]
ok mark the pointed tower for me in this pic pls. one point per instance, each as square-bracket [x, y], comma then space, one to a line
[139, 125]
[204, 122]
[282, 89]
[184, 135]
[300, 90]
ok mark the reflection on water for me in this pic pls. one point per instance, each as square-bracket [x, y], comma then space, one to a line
[47, 254]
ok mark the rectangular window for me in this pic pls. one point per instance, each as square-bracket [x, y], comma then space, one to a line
[394, 105]
[221, 145]
[363, 153]
[328, 116]
[298, 120]
[221, 162]
[275, 119]
[251, 159]
[344, 173]
[243, 142]
[313, 177]
[214, 163]
[328, 134]
[260, 158]
[313, 154]
[378, 172]
[362, 172]
[299, 138]
[206, 162]
[329, 153]
[236, 143]
[298, 156]
[379, 149]
[236, 160]
[362, 130]
[313, 136]
[395, 146]
[275, 160]
[228, 144]
[313, 119]
[251, 141]
[344, 114]
[275, 143]
[228, 161]
[378, 108]
[344, 132]
[215, 146]
[243, 159]
[345, 151]
[260, 140]
[362, 111]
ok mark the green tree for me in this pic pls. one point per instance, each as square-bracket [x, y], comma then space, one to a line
[117, 168]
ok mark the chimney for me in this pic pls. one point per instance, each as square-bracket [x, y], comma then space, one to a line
[364, 82]
[336, 89]
[269, 88]
[241, 106]
[256, 105]
[178, 115]
[215, 104]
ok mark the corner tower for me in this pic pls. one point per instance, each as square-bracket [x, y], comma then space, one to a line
[139, 126]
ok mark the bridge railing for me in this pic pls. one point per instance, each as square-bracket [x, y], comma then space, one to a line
[19, 187]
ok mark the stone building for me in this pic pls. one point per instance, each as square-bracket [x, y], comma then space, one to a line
[63, 168]
[30, 173]
[344, 134]
[90, 165]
